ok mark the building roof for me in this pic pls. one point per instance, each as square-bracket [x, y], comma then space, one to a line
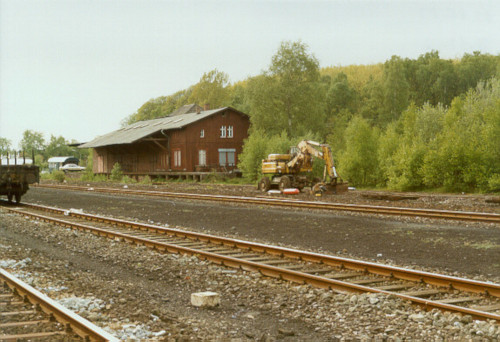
[189, 108]
[59, 159]
[142, 129]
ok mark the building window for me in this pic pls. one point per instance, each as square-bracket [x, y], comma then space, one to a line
[202, 157]
[223, 131]
[229, 131]
[227, 156]
[177, 158]
[202, 133]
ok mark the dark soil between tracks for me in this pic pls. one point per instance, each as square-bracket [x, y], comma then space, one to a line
[471, 250]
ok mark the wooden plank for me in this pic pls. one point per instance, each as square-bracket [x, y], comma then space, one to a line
[30, 336]
[12, 303]
[395, 287]
[277, 262]
[260, 259]
[459, 300]
[368, 281]
[487, 308]
[13, 313]
[319, 271]
[17, 324]
[424, 293]
[343, 275]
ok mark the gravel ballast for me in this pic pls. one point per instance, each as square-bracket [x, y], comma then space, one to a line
[136, 293]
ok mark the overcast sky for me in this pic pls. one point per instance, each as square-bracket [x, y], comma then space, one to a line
[77, 68]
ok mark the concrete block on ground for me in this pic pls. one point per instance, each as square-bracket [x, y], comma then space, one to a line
[205, 299]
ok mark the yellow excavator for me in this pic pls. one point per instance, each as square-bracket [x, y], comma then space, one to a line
[293, 170]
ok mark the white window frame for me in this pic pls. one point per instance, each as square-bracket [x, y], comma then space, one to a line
[226, 152]
[202, 157]
[229, 131]
[177, 158]
[223, 131]
[202, 133]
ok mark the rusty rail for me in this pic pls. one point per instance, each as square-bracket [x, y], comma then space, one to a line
[390, 272]
[72, 321]
[369, 209]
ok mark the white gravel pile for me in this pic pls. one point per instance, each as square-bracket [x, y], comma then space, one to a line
[10, 263]
[81, 305]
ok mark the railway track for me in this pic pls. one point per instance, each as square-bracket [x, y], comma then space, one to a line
[369, 209]
[26, 315]
[481, 300]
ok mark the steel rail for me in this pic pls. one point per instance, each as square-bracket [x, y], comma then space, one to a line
[78, 324]
[462, 284]
[361, 208]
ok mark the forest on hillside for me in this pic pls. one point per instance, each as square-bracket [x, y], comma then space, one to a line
[406, 124]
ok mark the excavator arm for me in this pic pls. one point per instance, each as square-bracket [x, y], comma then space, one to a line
[309, 148]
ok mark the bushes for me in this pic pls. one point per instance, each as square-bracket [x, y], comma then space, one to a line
[58, 176]
[358, 163]
[116, 173]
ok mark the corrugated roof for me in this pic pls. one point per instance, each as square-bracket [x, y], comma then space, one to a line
[142, 129]
[189, 108]
[59, 159]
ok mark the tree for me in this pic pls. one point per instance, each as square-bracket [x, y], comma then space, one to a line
[159, 107]
[396, 89]
[58, 146]
[359, 163]
[340, 95]
[32, 141]
[5, 146]
[289, 93]
[211, 89]
[467, 153]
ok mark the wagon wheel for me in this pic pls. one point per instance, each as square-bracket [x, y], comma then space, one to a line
[264, 184]
[18, 197]
[285, 183]
[9, 197]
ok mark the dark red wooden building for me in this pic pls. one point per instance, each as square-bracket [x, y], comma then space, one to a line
[188, 141]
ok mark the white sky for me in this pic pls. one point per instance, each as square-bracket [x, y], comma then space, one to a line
[77, 68]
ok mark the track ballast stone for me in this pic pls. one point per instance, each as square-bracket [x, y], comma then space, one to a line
[136, 293]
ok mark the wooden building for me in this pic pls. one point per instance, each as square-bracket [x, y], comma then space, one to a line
[188, 141]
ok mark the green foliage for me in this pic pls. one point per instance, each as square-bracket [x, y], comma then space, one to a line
[358, 163]
[146, 180]
[467, 153]
[116, 172]
[58, 146]
[405, 124]
[494, 183]
[58, 176]
[5, 146]
[211, 89]
[32, 141]
[129, 180]
[257, 147]
[289, 95]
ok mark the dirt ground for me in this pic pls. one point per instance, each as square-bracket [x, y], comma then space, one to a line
[462, 202]
[143, 294]
[445, 246]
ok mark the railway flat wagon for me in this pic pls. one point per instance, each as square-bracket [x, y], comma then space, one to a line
[15, 180]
